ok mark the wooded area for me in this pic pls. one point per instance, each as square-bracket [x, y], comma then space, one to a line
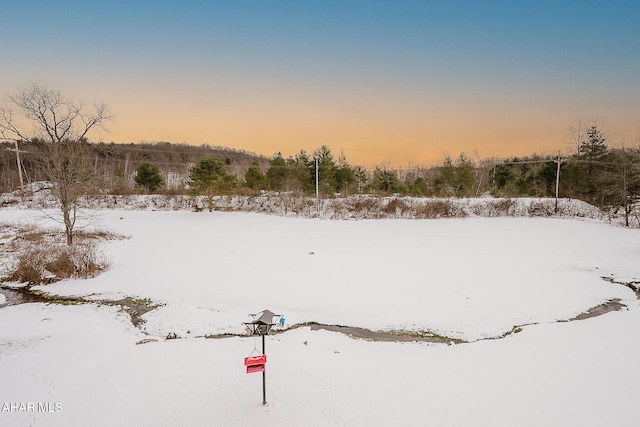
[58, 150]
[608, 178]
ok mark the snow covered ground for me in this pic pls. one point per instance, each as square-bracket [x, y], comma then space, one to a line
[471, 279]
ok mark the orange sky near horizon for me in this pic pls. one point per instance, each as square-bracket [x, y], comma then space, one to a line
[367, 138]
[387, 82]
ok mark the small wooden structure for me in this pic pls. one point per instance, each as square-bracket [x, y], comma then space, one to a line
[262, 323]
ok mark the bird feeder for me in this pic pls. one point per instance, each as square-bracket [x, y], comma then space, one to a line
[260, 325]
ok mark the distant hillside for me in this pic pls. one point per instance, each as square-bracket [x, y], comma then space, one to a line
[120, 161]
[174, 157]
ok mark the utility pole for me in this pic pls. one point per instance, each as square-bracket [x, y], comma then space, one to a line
[317, 192]
[557, 180]
[625, 192]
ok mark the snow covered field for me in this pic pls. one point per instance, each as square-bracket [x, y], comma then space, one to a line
[471, 279]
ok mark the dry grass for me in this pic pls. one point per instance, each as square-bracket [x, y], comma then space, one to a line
[40, 256]
[62, 266]
[365, 204]
[396, 207]
[33, 236]
[50, 263]
[494, 208]
[438, 209]
[541, 209]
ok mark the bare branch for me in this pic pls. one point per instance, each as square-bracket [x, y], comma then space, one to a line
[8, 128]
[97, 119]
[65, 124]
[57, 117]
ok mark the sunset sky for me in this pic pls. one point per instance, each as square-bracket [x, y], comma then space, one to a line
[395, 82]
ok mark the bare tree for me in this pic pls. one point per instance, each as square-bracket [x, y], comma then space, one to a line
[576, 134]
[35, 113]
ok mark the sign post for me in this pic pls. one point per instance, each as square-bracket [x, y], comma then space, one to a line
[264, 378]
[261, 325]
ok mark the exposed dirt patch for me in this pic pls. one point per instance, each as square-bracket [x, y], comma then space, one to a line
[599, 310]
[136, 308]
[24, 295]
[634, 285]
[360, 333]
[387, 336]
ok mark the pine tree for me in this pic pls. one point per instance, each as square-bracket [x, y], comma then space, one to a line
[594, 145]
[327, 182]
[591, 149]
[149, 177]
[278, 173]
[209, 177]
[254, 178]
[465, 176]
[444, 182]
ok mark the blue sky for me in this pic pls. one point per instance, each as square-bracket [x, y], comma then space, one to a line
[385, 81]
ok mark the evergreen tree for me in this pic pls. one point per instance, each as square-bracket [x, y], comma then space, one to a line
[572, 180]
[444, 181]
[327, 183]
[345, 176]
[501, 175]
[594, 145]
[419, 187]
[465, 176]
[278, 173]
[302, 173]
[149, 177]
[209, 177]
[254, 178]
[591, 150]
[360, 174]
[385, 180]
[545, 178]
[456, 178]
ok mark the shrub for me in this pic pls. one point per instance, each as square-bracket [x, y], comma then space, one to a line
[149, 177]
[438, 209]
[50, 263]
[395, 206]
[29, 269]
[365, 204]
[87, 260]
[62, 266]
[504, 206]
[41, 256]
[493, 208]
[540, 208]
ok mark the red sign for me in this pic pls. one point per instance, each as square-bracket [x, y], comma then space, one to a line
[255, 368]
[255, 360]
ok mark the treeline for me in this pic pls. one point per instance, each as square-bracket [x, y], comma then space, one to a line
[595, 173]
[603, 176]
[116, 165]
